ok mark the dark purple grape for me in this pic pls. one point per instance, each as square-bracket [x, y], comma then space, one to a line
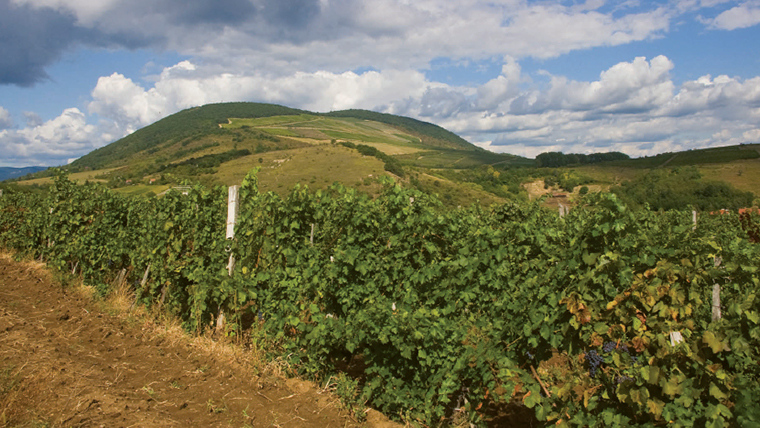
[624, 348]
[609, 346]
[594, 361]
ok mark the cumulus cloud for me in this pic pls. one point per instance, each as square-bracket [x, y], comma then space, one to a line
[285, 36]
[6, 121]
[35, 34]
[741, 16]
[625, 87]
[185, 85]
[633, 107]
[32, 119]
[30, 41]
[52, 142]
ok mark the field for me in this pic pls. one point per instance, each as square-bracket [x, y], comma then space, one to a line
[316, 167]
[743, 174]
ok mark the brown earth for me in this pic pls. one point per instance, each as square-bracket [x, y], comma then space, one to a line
[68, 360]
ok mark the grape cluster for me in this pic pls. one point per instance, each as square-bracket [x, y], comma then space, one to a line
[594, 361]
[621, 379]
[609, 346]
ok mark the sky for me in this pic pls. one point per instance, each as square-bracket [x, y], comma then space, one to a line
[512, 76]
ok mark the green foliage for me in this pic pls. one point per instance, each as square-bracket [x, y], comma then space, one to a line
[679, 188]
[505, 183]
[558, 159]
[204, 164]
[189, 123]
[714, 155]
[459, 159]
[390, 163]
[441, 309]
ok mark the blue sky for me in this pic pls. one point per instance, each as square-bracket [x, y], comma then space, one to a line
[512, 76]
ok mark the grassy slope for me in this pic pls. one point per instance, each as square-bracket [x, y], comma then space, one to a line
[275, 133]
[185, 124]
[302, 141]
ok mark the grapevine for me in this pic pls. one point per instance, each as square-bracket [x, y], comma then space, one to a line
[446, 311]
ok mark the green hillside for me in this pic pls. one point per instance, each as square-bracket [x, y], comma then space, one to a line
[218, 144]
[193, 123]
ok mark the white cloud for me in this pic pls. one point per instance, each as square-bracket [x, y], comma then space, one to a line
[742, 16]
[633, 107]
[339, 35]
[625, 87]
[6, 121]
[50, 142]
[185, 85]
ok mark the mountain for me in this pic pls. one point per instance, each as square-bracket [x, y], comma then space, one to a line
[6, 173]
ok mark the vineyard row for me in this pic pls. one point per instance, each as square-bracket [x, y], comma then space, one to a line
[601, 317]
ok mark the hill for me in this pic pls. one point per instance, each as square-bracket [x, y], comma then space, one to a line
[7, 173]
[219, 143]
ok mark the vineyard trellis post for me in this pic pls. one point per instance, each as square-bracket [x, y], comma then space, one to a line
[716, 315]
[232, 212]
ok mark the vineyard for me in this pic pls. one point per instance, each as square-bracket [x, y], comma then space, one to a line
[604, 317]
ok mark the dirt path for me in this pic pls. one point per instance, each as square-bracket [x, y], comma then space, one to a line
[670, 159]
[65, 362]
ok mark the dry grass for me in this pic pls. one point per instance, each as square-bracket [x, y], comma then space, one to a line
[156, 323]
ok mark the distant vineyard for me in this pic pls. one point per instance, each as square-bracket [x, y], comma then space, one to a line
[604, 317]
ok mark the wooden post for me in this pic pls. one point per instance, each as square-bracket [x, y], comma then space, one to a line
[694, 220]
[716, 315]
[232, 211]
[561, 210]
[138, 293]
[145, 277]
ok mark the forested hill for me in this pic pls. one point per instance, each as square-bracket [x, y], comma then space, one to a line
[7, 173]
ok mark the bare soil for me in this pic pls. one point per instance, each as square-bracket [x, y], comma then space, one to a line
[67, 360]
